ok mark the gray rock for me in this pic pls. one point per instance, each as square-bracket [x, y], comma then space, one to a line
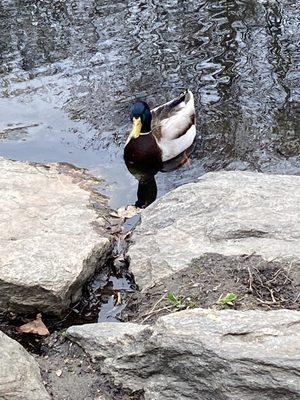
[202, 354]
[106, 338]
[51, 235]
[20, 377]
[228, 213]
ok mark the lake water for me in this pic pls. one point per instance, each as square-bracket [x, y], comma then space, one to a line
[70, 70]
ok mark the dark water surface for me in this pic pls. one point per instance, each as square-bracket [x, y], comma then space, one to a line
[69, 71]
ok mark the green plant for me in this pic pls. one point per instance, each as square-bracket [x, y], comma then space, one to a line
[63, 334]
[228, 300]
[179, 302]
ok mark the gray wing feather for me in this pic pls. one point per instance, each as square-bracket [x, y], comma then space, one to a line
[168, 109]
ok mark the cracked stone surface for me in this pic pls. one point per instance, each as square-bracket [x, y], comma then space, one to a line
[52, 235]
[227, 213]
[201, 354]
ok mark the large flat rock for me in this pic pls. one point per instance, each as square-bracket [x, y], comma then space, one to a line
[20, 377]
[201, 354]
[227, 213]
[52, 235]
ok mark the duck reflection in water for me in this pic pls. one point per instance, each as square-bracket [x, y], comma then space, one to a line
[161, 139]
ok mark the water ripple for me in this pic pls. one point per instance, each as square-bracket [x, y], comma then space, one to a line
[90, 60]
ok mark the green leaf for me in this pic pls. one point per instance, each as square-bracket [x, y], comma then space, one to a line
[172, 298]
[229, 299]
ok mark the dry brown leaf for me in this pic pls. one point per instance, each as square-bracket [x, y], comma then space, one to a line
[36, 326]
[125, 212]
[128, 211]
[114, 214]
[124, 236]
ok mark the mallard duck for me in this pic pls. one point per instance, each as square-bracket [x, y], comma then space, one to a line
[161, 134]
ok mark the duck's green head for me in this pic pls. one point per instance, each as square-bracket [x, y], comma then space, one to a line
[141, 119]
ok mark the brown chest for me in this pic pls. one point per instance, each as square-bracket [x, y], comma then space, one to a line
[143, 152]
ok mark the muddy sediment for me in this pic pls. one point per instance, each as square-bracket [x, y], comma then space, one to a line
[68, 373]
[255, 282]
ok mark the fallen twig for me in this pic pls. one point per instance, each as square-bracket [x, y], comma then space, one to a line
[275, 276]
[297, 297]
[155, 305]
[250, 281]
[288, 272]
[119, 299]
[155, 312]
[249, 255]
[272, 296]
[265, 301]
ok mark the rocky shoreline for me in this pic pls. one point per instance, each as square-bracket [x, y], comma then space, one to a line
[233, 233]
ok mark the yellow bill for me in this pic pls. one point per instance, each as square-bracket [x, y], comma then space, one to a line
[136, 128]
